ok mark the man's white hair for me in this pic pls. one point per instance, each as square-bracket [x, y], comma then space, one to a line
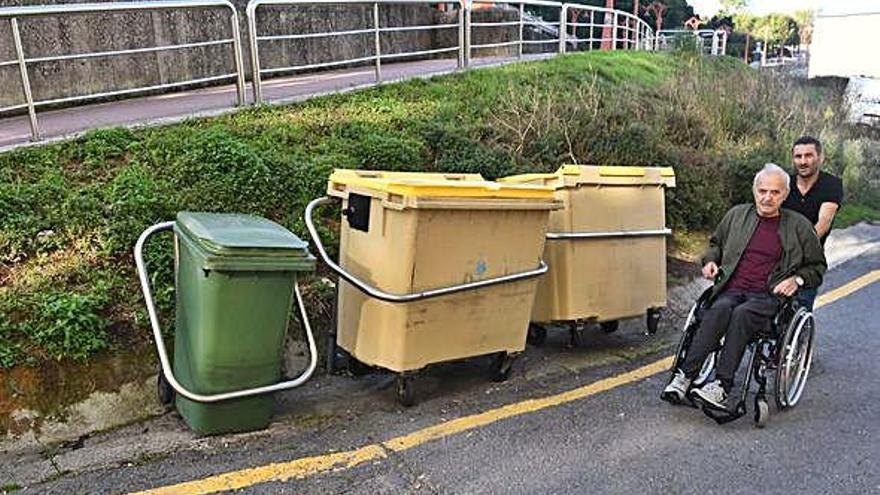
[772, 169]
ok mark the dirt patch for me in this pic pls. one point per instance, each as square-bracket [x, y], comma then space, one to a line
[679, 270]
[52, 386]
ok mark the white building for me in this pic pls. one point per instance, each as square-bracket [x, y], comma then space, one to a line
[846, 43]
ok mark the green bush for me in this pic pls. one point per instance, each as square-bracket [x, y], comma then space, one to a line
[70, 325]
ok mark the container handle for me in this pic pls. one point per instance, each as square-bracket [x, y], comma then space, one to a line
[557, 236]
[416, 296]
[168, 373]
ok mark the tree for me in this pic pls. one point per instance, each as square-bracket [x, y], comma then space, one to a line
[804, 19]
[733, 6]
[657, 10]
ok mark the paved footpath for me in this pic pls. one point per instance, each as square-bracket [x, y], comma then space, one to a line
[174, 107]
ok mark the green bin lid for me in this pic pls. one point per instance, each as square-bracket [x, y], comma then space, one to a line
[231, 241]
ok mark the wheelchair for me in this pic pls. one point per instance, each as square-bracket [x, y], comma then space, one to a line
[781, 351]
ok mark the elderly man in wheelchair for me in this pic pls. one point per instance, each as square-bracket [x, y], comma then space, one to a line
[759, 256]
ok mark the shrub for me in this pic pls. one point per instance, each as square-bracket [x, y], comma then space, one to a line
[69, 325]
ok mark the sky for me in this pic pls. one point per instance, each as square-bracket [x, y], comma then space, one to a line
[763, 7]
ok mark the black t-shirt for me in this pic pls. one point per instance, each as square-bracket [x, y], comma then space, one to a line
[827, 189]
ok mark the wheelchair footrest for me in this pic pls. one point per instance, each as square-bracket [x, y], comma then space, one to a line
[723, 415]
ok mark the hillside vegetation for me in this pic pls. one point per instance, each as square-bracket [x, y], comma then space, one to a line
[71, 212]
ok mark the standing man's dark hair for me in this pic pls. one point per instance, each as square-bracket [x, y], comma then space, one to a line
[805, 139]
[814, 194]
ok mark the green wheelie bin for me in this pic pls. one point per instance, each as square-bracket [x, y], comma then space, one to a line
[235, 279]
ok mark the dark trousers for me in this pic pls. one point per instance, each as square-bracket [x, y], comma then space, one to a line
[735, 317]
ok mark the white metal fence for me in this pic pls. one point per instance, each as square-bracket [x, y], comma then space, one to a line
[536, 26]
[570, 27]
[13, 14]
[707, 41]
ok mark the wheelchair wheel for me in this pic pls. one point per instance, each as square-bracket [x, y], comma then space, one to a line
[794, 354]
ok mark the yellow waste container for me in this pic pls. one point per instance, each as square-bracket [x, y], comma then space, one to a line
[606, 248]
[434, 267]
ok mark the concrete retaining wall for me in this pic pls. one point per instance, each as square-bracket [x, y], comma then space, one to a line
[60, 35]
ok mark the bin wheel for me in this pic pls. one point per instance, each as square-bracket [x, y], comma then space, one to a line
[762, 412]
[357, 368]
[501, 366]
[537, 335]
[652, 318]
[609, 326]
[406, 394]
[577, 335]
[165, 390]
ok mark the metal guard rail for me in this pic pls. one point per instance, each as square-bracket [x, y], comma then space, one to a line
[168, 373]
[14, 13]
[404, 298]
[636, 33]
[553, 236]
[376, 30]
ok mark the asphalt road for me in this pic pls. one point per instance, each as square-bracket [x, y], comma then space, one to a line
[615, 441]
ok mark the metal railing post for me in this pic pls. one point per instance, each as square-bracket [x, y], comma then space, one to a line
[241, 98]
[461, 34]
[522, 11]
[614, 31]
[592, 28]
[25, 81]
[563, 9]
[637, 35]
[255, 54]
[378, 41]
[467, 33]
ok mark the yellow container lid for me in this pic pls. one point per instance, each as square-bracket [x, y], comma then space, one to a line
[574, 175]
[430, 185]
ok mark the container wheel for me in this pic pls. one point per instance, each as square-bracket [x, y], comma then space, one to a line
[537, 335]
[577, 335]
[501, 366]
[762, 412]
[356, 367]
[652, 320]
[609, 326]
[406, 395]
[165, 390]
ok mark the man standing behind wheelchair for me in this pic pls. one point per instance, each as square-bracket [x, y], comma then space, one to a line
[758, 255]
[815, 194]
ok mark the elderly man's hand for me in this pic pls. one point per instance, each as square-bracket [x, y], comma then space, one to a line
[710, 270]
[786, 288]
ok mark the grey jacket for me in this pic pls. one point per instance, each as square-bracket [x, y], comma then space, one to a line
[801, 252]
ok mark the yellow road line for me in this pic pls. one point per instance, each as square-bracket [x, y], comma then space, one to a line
[307, 466]
[847, 289]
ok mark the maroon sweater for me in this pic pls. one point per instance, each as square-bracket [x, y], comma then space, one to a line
[758, 259]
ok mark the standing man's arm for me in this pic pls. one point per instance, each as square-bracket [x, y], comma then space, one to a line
[829, 208]
[826, 218]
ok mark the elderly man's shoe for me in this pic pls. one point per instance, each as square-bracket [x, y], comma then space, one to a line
[676, 391]
[712, 393]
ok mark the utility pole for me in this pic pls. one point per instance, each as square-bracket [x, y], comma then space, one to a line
[635, 31]
[607, 34]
